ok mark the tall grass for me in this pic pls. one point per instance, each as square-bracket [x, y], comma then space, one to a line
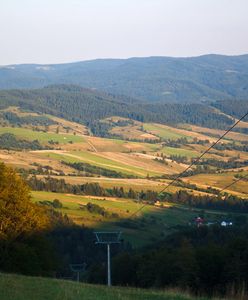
[16, 287]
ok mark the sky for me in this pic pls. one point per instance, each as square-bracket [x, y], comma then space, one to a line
[58, 31]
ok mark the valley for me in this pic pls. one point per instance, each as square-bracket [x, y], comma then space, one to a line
[133, 155]
[124, 150]
[91, 161]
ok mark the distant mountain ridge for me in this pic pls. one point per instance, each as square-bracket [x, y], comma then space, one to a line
[162, 79]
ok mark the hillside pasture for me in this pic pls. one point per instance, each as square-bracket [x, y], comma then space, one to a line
[145, 162]
[73, 127]
[132, 132]
[163, 131]
[179, 151]
[219, 181]
[120, 162]
[29, 160]
[18, 287]
[137, 185]
[117, 145]
[235, 136]
[42, 137]
[146, 226]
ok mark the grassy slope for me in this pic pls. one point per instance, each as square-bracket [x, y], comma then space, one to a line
[219, 181]
[135, 184]
[132, 132]
[207, 131]
[93, 159]
[179, 151]
[162, 131]
[156, 222]
[43, 137]
[117, 145]
[124, 163]
[16, 287]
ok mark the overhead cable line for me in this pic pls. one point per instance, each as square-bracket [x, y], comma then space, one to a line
[195, 161]
[229, 185]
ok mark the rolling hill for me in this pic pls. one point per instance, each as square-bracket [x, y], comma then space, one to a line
[88, 107]
[163, 79]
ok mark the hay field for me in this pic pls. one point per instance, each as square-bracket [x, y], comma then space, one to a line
[219, 181]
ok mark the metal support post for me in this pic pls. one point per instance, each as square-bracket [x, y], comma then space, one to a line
[109, 265]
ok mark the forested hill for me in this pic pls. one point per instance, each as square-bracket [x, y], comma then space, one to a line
[87, 106]
[166, 79]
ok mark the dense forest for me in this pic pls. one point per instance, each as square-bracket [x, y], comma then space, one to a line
[88, 107]
[209, 261]
[161, 79]
[232, 107]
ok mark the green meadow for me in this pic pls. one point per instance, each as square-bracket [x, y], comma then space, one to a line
[162, 131]
[42, 137]
[179, 152]
[17, 287]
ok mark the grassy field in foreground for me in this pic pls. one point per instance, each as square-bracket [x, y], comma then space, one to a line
[17, 287]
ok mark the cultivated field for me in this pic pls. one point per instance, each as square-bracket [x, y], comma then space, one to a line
[221, 180]
[128, 164]
[215, 132]
[163, 131]
[72, 143]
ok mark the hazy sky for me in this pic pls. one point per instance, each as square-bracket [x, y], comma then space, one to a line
[54, 31]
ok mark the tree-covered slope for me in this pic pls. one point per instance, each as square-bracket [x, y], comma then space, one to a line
[87, 106]
[164, 79]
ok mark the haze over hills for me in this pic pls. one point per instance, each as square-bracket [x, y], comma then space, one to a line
[163, 79]
[99, 160]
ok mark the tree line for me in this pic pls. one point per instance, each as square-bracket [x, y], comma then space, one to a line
[90, 170]
[229, 203]
[13, 119]
[8, 141]
[55, 185]
[88, 106]
[208, 261]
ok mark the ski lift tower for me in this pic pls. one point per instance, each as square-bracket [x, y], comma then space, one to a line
[78, 268]
[108, 238]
